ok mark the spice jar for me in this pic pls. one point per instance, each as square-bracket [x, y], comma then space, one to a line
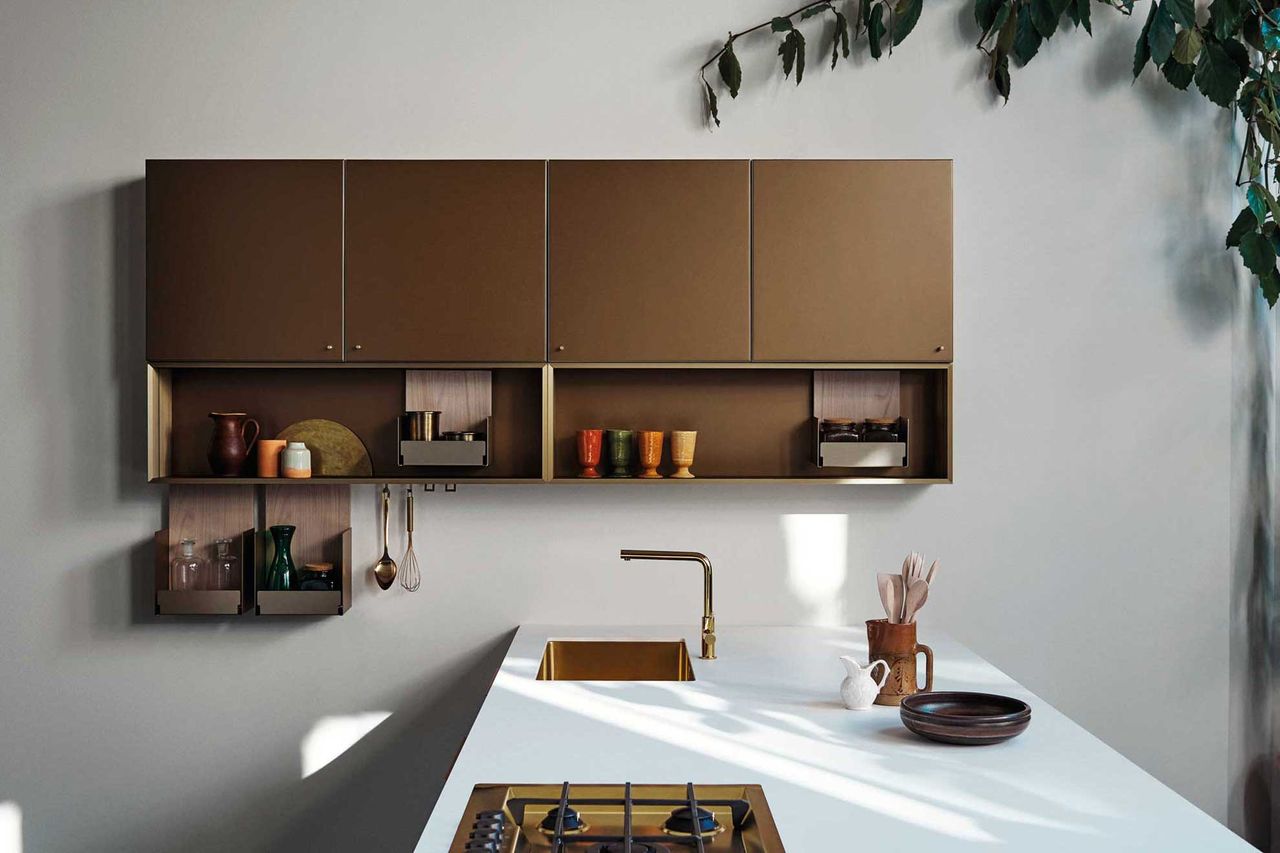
[881, 430]
[318, 577]
[840, 430]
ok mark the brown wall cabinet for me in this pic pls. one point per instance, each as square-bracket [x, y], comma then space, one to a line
[649, 260]
[853, 260]
[445, 260]
[244, 260]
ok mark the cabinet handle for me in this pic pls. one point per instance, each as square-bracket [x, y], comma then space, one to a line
[939, 349]
[560, 348]
[357, 346]
[328, 346]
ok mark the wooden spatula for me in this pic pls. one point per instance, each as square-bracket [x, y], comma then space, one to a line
[890, 594]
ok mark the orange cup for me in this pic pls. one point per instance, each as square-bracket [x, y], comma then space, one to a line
[269, 456]
[650, 453]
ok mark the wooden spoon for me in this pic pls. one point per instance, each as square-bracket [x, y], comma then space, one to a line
[917, 594]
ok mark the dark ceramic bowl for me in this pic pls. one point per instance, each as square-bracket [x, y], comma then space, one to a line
[965, 718]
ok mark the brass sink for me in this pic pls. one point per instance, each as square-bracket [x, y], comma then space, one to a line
[615, 660]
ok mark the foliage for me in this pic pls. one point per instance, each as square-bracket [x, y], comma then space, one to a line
[1232, 55]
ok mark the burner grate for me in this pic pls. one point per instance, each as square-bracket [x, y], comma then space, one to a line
[560, 836]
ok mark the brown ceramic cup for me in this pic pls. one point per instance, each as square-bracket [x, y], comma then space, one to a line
[896, 645]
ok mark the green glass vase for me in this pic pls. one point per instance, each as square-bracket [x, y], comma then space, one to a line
[281, 574]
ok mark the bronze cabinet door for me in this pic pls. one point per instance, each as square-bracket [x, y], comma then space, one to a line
[446, 260]
[244, 260]
[649, 260]
[853, 260]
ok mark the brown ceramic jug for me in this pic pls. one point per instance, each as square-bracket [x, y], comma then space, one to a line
[229, 447]
[896, 645]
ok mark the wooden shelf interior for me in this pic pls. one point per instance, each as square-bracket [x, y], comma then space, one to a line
[369, 401]
[752, 424]
[206, 514]
[322, 516]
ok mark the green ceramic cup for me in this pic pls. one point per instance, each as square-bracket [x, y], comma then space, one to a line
[621, 443]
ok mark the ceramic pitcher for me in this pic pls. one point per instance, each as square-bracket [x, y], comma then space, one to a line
[859, 688]
[229, 446]
[896, 645]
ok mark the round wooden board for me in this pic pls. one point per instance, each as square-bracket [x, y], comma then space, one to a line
[335, 450]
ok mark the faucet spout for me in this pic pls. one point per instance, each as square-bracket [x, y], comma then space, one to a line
[708, 610]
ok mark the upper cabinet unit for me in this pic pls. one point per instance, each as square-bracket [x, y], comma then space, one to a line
[244, 260]
[445, 261]
[853, 260]
[649, 261]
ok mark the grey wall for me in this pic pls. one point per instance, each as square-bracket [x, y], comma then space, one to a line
[1093, 400]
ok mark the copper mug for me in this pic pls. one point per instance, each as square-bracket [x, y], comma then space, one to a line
[896, 645]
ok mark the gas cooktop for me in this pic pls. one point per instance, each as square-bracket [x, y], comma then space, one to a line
[617, 819]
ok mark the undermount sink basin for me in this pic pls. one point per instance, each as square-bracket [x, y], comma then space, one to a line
[615, 660]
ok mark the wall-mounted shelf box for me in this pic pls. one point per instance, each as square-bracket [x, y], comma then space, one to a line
[204, 602]
[441, 453]
[861, 454]
[308, 602]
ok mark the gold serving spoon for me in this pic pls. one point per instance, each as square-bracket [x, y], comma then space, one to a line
[384, 571]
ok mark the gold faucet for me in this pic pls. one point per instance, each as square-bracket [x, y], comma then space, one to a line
[708, 613]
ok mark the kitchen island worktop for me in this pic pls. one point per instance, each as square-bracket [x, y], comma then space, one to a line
[768, 712]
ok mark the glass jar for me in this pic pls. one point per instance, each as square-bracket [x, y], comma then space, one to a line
[187, 571]
[225, 573]
[318, 576]
[840, 430]
[881, 430]
[280, 574]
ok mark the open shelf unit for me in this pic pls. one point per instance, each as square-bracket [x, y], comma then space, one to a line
[755, 421]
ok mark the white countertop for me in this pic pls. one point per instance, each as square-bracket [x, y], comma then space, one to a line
[768, 712]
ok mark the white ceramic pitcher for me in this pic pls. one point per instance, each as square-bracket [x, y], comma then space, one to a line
[859, 689]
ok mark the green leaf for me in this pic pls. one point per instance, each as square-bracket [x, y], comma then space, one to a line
[815, 10]
[1270, 286]
[1044, 16]
[1224, 18]
[1026, 39]
[1142, 53]
[842, 33]
[1002, 75]
[1245, 222]
[1002, 17]
[875, 29]
[1162, 36]
[1258, 254]
[984, 13]
[730, 70]
[1178, 75]
[1186, 47]
[787, 50]
[1218, 76]
[1251, 29]
[1272, 233]
[1004, 41]
[1257, 203]
[1269, 200]
[1082, 12]
[1183, 12]
[799, 37]
[1239, 54]
[905, 15]
[1270, 35]
[712, 107]
[782, 25]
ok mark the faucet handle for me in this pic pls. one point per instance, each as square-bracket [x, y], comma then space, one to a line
[708, 638]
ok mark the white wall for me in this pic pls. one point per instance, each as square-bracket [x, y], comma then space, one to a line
[1085, 541]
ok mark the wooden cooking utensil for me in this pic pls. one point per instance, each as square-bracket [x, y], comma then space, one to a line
[932, 569]
[884, 581]
[899, 598]
[917, 594]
